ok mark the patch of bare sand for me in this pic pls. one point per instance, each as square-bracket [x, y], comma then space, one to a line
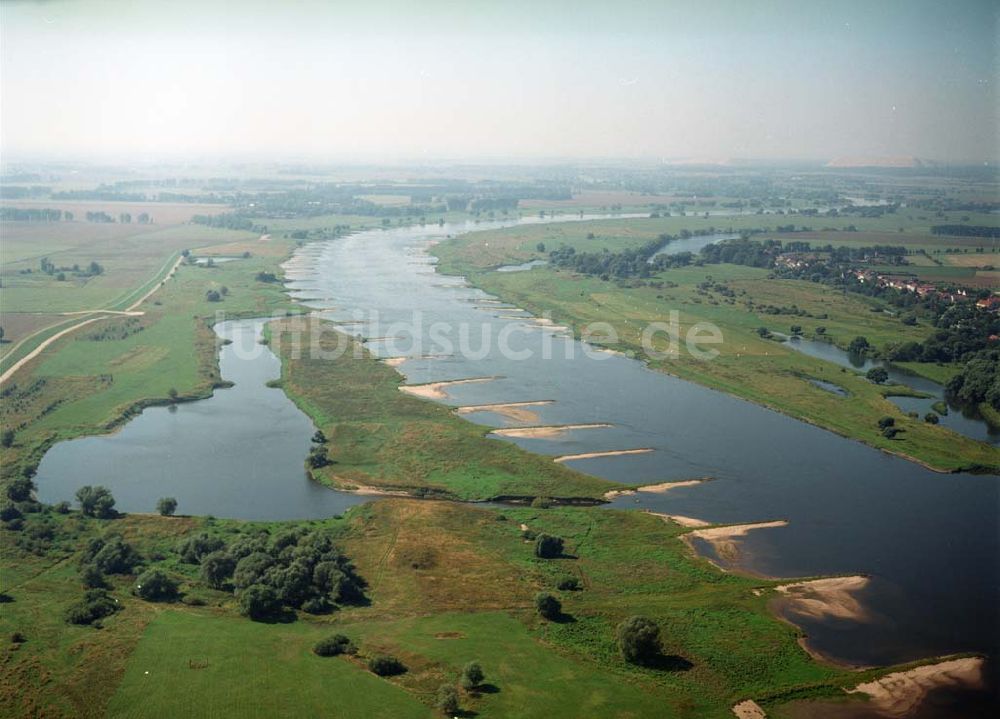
[724, 539]
[510, 410]
[899, 693]
[661, 487]
[749, 709]
[594, 455]
[394, 361]
[681, 520]
[435, 390]
[828, 598]
[555, 430]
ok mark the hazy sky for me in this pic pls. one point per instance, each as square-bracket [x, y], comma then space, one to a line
[704, 79]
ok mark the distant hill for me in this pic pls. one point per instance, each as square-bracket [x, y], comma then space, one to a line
[901, 161]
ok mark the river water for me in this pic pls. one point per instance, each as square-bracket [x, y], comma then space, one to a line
[930, 541]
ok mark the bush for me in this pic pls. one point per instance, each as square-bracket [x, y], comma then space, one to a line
[334, 645]
[386, 666]
[61, 508]
[259, 601]
[217, 568]
[10, 512]
[472, 676]
[891, 432]
[193, 549]
[154, 585]
[931, 418]
[447, 700]
[548, 546]
[96, 502]
[92, 577]
[878, 375]
[20, 489]
[547, 605]
[113, 556]
[639, 640]
[568, 584]
[7, 438]
[166, 506]
[541, 503]
[886, 422]
[96, 604]
[317, 605]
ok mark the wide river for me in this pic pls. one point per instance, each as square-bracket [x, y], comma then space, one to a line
[929, 541]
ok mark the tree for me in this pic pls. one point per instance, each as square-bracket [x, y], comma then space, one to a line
[548, 546]
[259, 601]
[197, 546]
[547, 605]
[859, 345]
[114, 556]
[250, 569]
[540, 247]
[172, 394]
[472, 676]
[333, 645]
[931, 418]
[166, 506]
[217, 568]
[154, 585]
[878, 375]
[7, 438]
[96, 604]
[639, 640]
[20, 489]
[447, 700]
[796, 329]
[213, 296]
[763, 332]
[886, 422]
[96, 501]
[318, 457]
[318, 437]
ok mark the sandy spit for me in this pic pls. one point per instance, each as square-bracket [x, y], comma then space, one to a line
[831, 597]
[682, 520]
[592, 455]
[749, 709]
[898, 694]
[661, 487]
[394, 361]
[724, 539]
[434, 390]
[511, 410]
[555, 430]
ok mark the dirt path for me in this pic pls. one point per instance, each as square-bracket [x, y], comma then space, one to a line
[101, 314]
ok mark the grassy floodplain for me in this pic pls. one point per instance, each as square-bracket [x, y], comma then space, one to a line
[758, 369]
[448, 583]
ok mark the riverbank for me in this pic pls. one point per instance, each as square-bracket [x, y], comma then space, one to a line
[747, 366]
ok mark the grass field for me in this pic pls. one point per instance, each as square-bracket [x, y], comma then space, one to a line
[448, 584]
[381, 437]
[761, 370]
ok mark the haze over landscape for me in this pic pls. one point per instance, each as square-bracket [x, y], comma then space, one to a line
[514, 80]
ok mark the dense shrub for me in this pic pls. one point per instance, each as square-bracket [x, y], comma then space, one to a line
[472, 676]
[96, 604]
[20, 489]
[217, 568]
[96, 502]
[9, 512]
[639, 640]
[92, 577]
[548, 546]
[568, 584]
[447, 700]
[193, 549]
[334, 645]
[547, 605]
[166, 506]
[259, 601]
[111, 556]
[386, 666]
[154, 585]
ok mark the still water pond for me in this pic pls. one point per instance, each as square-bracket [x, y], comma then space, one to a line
[239, 453]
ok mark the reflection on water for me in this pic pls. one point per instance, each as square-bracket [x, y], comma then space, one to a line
[239, 453]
